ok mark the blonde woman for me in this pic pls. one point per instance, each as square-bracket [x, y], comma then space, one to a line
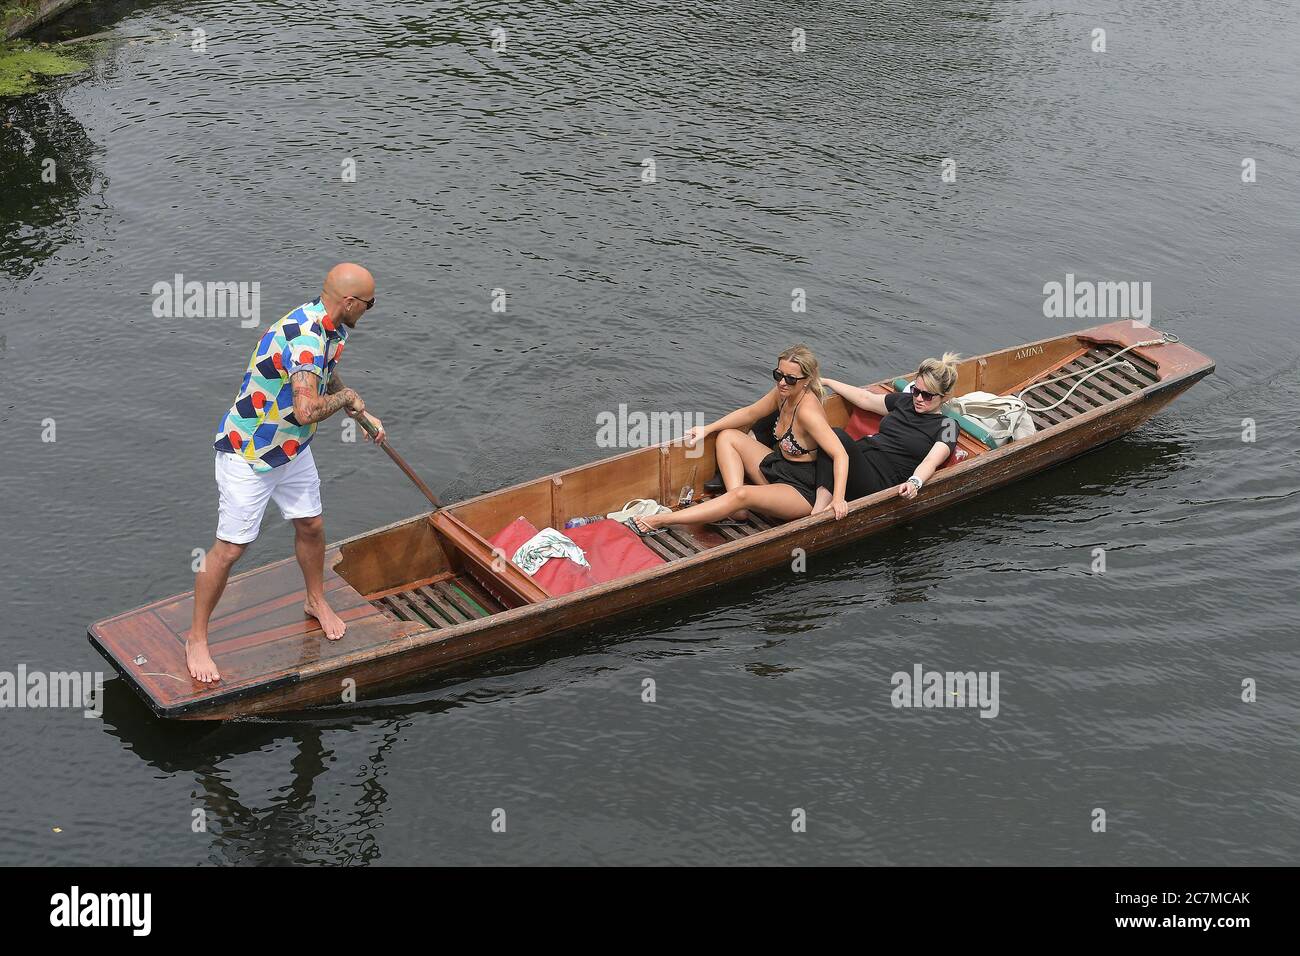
[785, 479]
[915, 437]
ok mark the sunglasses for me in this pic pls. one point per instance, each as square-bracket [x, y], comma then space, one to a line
[788, 379]
[368, 303]
[923, 395]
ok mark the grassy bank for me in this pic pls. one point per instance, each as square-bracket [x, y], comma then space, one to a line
[23, 64]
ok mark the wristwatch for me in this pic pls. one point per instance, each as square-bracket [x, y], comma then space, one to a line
[916, 481]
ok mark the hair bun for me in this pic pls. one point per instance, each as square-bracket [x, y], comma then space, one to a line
[941, 371]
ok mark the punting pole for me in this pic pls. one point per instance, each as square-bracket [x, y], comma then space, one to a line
[400, 461]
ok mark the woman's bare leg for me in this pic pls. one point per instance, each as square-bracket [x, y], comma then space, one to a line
[780, 501]
[739, 455]
[731, 466]
[753, 452]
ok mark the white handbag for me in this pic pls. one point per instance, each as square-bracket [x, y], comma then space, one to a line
[1004, 417]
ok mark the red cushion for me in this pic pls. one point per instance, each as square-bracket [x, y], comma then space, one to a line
[557, 575]
[613, 551]
[862, 423]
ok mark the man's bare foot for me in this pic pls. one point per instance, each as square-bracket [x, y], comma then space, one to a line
[200, 662]
[330, 623]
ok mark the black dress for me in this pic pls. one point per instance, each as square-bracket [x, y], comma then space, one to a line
[888, 457]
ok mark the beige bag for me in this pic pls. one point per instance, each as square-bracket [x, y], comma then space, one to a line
[1004, 417]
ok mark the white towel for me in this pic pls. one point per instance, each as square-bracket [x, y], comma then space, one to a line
[547, 543]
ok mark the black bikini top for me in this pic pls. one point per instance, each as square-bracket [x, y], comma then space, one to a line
[788, 444]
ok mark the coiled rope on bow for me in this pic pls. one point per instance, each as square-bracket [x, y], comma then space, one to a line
[1166, 338]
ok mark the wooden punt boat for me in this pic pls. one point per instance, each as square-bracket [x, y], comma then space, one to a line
[426, 591]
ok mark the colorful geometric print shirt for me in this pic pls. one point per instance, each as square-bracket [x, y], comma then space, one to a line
[260, 426]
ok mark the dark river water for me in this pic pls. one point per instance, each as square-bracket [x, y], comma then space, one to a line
[522, 170]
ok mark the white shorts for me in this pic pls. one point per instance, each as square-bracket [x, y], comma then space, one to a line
[295, 486]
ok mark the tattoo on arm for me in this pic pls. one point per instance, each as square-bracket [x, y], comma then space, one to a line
[309, 405]
[331, 404]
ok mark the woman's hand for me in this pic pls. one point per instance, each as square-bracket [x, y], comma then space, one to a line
[907, 490]
[840, 507]
[695, 435]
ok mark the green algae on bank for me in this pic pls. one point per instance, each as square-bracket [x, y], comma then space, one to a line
[22, 64]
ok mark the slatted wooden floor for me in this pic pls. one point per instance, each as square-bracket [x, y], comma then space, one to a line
[442, 601]
[1106, 386]
[682, 541]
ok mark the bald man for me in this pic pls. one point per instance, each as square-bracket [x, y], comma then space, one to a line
[292, 384]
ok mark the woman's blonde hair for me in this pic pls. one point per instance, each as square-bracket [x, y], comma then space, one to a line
[941, 372]
[803, 356]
